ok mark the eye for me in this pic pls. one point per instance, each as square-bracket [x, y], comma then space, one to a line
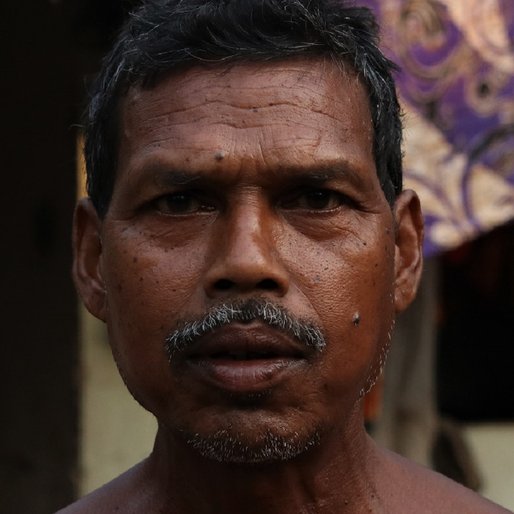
[315, 200]
[182, 203]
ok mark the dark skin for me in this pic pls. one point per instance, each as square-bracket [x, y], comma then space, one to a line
[256, 181]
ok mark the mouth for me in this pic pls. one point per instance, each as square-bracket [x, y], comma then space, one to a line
[245, 359]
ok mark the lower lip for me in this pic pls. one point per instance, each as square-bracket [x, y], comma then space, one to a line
[245, 376]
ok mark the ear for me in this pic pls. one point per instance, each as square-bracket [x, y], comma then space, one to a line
[408, 248]
[87, 251]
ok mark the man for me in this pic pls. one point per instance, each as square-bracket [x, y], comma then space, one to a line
[248, 244]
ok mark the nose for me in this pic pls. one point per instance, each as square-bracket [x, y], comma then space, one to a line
[245, 257]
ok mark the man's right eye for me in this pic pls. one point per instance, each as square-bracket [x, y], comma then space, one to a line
[181, 203]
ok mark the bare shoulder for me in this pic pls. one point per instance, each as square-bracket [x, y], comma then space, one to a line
[125, 494]
[427, 492]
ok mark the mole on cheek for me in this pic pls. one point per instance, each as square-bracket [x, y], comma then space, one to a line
[219, 156]
[356, 319]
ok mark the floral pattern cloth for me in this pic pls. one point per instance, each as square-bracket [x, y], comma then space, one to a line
[457, 88]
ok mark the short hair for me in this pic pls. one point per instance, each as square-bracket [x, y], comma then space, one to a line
[164, 36]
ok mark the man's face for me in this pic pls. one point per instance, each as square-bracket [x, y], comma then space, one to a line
[255, 182]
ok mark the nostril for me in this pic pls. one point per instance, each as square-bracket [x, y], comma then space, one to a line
[223, 284]
[268, 284]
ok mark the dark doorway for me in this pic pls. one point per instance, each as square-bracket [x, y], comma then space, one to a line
[476, 342]
[48, 48]
[38, 433]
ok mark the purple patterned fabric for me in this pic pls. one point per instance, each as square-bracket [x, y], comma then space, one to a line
[457, 87]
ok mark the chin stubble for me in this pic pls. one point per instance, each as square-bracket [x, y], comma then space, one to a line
[225, 447]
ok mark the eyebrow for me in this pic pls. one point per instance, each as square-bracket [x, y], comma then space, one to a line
[326, 173]
[330, 171]
[171, 177]
[167, 176]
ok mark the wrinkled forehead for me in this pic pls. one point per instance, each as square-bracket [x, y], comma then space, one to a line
[253, 106]
[316, 82]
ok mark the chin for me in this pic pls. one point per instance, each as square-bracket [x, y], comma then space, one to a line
[253, 441]
[231, 447]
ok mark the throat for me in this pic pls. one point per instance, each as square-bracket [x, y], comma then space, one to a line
[323, 481]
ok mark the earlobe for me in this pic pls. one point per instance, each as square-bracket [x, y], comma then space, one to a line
[87, 251]
[408, 248]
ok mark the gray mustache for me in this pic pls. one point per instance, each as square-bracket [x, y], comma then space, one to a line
[244, 312]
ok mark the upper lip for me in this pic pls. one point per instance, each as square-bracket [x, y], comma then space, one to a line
[255, 340]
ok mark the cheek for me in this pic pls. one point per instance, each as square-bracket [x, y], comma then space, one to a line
[346, 276]
[148, 288]
[350, 287]
[144, 275]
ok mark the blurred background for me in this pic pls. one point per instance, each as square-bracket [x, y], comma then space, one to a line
[447, 397]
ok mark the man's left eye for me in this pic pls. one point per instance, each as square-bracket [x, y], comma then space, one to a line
[315, 200]
[181, 203]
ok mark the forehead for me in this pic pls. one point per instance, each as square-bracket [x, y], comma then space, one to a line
[250, 115]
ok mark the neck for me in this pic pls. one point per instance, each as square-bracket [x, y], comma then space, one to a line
[339, 475]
